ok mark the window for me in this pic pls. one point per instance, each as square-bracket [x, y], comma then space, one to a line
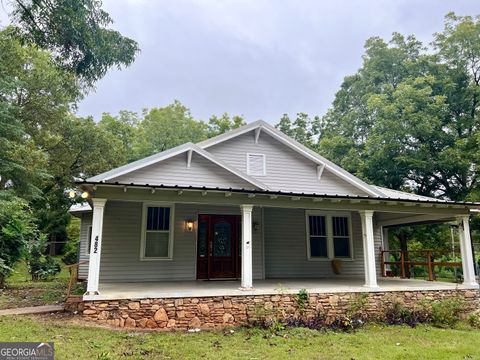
[318, 236]
[157, 236]
[328, 235]
[256, 165]
[89, 239]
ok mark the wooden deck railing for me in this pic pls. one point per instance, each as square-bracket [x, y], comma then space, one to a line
[406, 264]
[73, 270]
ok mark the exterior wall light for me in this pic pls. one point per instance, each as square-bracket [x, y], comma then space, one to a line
[84, 195]
[189, 225]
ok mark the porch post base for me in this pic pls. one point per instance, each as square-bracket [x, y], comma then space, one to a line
[472, 285]
[92, 293]
[372, 287]
[242, 288]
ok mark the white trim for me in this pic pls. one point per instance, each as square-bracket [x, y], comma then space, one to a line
[247, 239]
[368, 237]
[320, 169]
[189, 159]
[96, 245]
[144, 231]
[328, 223]
[264, 173]
[257, 134]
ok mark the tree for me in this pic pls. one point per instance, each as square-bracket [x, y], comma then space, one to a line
[124, 128]
[77, 33]
[17, 229]
[304, 129]
[408, 119]
[167, 127]
[219, 125]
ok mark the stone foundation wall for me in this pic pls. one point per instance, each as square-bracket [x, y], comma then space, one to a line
[219, 312]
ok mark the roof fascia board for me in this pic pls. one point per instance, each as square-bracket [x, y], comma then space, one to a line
[141, 163]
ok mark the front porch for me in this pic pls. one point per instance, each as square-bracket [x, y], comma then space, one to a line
[199, 288]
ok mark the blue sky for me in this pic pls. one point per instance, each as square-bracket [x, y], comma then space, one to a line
[258, 58]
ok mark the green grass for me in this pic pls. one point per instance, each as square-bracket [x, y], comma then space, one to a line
[21, 291]
[76, 341]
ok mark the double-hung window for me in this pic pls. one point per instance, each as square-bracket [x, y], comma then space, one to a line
[328, 235]
[157, 235]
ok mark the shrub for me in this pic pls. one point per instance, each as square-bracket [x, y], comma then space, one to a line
[474, 319]
[397, 314]
[446, 313]
[40, 267]
[17, 227]
[302, 299]
[71, 253]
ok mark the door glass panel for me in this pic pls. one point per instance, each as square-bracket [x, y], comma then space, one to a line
[222, 239]
[202, 238]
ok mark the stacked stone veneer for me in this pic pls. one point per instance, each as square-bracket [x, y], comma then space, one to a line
[217, 312]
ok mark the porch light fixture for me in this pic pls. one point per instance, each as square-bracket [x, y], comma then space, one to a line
[189, 225]
[84, 195]
[72, 194]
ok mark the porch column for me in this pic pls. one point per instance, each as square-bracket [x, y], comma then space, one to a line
[466, 251]
[386, 247]
[368, 248]
[247, 283]
[96, 246]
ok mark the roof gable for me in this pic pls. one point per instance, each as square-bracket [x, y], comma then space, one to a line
[260, 126]
[171, 168]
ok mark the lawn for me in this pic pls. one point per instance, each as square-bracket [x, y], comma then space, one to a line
[21, 291]
[74, 340]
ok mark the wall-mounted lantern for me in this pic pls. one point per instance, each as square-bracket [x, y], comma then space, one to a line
[189, 225]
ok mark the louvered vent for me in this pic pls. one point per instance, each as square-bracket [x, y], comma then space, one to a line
[256, 164]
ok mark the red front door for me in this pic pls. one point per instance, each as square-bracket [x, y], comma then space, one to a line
[218, 253]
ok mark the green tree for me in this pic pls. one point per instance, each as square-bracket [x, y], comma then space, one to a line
[167, 127]
[17, 229]
[77, 33]
[303, 129]
[408, 118]
[219, 125]
[123, 127]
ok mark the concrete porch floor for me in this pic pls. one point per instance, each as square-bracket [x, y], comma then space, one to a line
[199, 288]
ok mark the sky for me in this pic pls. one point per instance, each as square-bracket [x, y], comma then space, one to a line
[256, 58]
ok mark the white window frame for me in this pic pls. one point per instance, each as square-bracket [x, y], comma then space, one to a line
[144, 231]
[264, 164]
[89, 239]
[328, 222]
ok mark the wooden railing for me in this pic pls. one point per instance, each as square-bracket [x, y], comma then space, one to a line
[73, 270]
[406, 264]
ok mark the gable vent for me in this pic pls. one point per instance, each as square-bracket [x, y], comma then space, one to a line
[256, 165]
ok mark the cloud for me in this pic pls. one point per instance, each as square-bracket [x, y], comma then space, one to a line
[260, 58]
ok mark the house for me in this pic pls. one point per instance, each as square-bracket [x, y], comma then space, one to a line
[256, 209]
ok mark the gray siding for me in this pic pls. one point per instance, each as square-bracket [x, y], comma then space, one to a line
[287, 170]
[174, 171]
[286, 247]
[86, 222]
[120, 261]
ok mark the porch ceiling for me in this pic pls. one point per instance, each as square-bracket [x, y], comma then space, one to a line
[178, 289]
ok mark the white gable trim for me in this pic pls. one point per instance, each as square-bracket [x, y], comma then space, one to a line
[296, 146]
[188, 147]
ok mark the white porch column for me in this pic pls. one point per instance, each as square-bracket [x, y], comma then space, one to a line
[96, 246]
[247, 282]
[466, 251]
[386, 247]
[368, 248]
